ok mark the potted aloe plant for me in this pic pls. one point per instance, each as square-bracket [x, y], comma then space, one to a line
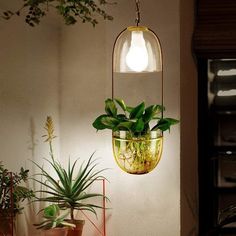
[70, 187]
[54, 223]
[136, 134]
[12, 193]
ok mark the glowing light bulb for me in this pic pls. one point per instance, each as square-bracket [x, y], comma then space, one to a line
[137, 56]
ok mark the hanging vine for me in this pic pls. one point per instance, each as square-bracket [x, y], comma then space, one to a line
[86, 11]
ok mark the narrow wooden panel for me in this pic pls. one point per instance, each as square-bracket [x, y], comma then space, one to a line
[215, 30]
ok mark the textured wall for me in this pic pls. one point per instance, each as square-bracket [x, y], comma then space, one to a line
[28, 93]
[67, 73]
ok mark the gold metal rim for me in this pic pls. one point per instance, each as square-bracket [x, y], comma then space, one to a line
[137, 28]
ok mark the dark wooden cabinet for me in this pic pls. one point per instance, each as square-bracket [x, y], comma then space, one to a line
[214, 45]
[217, 143]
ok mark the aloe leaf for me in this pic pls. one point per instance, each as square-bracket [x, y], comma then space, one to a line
[91, 179]
[86, 181]
[81, 177]
[86, 208]
[71, 172]
[137, 112]
[49, 178]
[90, 195]
[110, 107]
[51, 187]
[61, 173]
[54, 194]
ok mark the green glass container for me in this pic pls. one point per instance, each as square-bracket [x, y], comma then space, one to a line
[137, 154]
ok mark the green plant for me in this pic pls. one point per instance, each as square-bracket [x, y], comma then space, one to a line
[70, 10]
[12, 193]
[138, 150]
[70, 186]
[134, 119]
[53, 218]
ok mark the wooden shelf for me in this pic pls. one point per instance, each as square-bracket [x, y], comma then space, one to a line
[227, 190]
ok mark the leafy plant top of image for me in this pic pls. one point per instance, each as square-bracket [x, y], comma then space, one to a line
[136, 119]
[71, 11]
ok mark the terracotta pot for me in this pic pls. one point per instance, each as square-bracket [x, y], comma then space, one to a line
[56, 232]
[6, 225]
[78, 230]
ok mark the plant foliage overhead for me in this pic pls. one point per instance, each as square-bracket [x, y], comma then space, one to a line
[134, 119]
[70, 187]
[70, 10]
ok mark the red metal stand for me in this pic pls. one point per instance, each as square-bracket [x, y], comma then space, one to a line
[102, 231]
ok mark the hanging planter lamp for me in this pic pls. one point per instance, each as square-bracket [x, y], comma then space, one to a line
[137, 51]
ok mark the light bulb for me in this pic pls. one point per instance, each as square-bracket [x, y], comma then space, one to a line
[137, 56]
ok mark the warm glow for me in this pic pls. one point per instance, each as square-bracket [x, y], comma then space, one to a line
[231, 92]
[137, 56]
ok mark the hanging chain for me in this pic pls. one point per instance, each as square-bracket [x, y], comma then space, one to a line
[137, 20]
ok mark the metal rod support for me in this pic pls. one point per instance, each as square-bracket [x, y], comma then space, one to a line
[137, 20]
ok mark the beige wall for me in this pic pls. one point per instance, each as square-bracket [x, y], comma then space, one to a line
[28, 93]
[67, 74]
[141, 205]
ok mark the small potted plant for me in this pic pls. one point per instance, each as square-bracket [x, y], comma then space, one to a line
[54, 223]
[136, 134]
[68, 187]
[12, 194]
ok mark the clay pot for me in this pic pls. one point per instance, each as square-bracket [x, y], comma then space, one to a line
[78, 229]
[56, 232]
[6, 225]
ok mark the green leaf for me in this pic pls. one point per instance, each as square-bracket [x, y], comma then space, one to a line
[126, 125]
[137, 112]
[109, 122]
[151, 112]
[51, 211]
[97, 124]
[121, 103]
[139, 125]
[110, 107]
[129, 109]
[122, 117]
[165, 123]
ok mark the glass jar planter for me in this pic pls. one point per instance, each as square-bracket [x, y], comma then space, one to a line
[137, 154]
